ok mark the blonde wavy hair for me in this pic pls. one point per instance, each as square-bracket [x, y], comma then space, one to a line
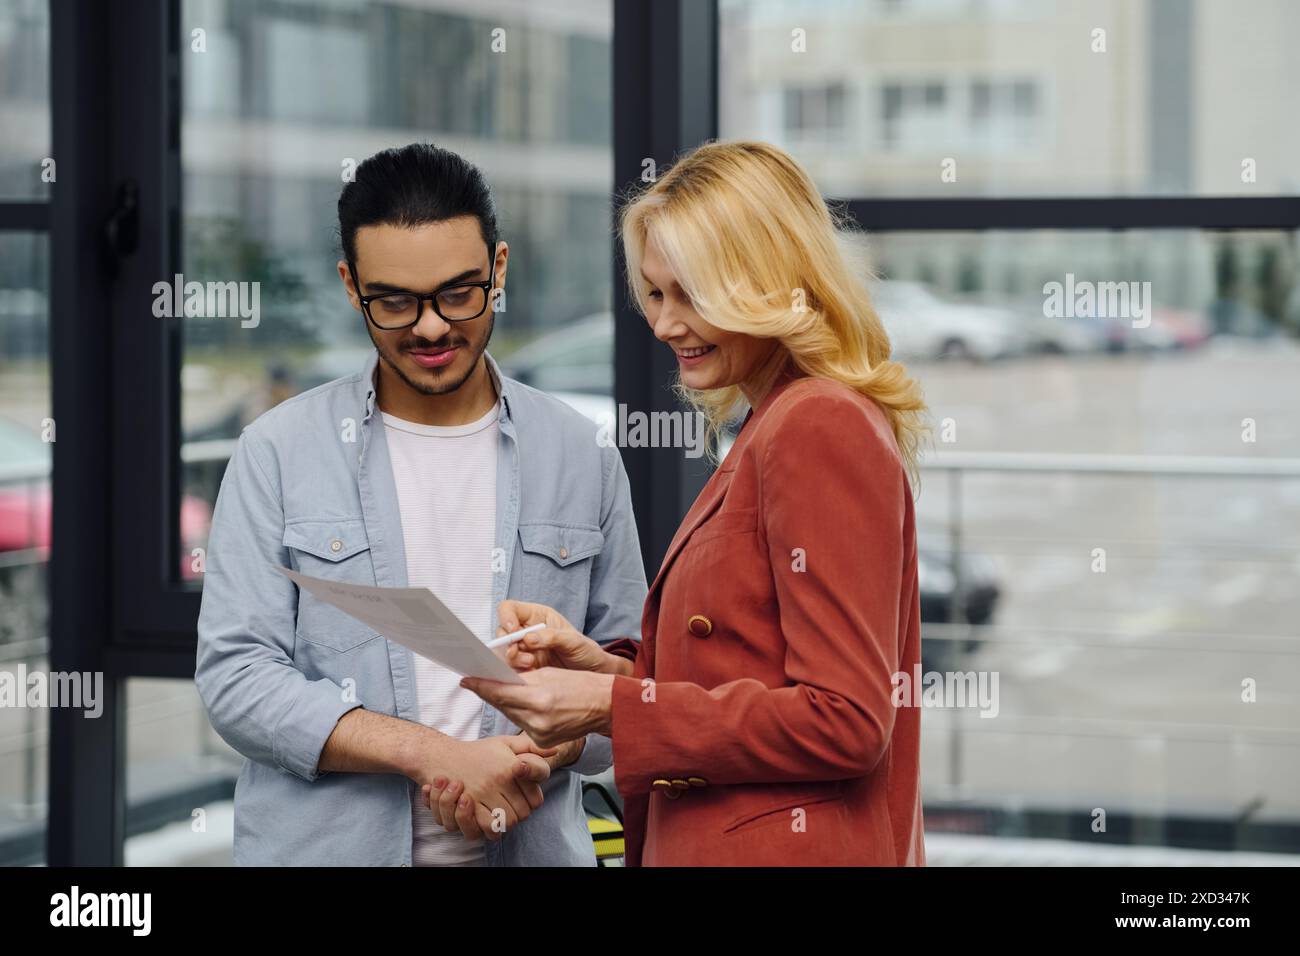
[749, 238]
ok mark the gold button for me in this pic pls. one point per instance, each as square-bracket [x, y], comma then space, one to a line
[679, 784]
[336, 545]
[564, 553]
[666, 788]
[699, 625]
[697, 781]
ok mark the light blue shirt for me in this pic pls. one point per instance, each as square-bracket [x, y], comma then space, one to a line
[310, 487]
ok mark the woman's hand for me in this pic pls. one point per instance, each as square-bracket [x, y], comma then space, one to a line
[559, 644]
[552, 705]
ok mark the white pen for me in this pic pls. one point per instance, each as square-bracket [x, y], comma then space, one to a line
[505, 639]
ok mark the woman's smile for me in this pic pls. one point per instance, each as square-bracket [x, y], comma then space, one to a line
[688, 358]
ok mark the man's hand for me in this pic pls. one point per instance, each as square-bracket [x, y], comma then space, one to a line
[552, 705]
[443, 795]
[487, 786]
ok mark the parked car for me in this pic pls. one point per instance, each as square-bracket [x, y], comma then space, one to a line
[1060, 335]
[25, 500]
[923, 326]
[577, 357]
[24, 489]
[938, 585]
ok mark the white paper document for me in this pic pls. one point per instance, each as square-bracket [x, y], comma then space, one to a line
[414, 618]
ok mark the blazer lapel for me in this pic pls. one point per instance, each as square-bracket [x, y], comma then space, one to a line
[715, 490]
[710, 497]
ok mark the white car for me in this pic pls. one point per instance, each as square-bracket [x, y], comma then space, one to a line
[923, 326]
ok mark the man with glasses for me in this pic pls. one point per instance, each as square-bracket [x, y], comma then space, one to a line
[465, 482]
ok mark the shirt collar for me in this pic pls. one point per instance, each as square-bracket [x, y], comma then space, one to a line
[366, 385]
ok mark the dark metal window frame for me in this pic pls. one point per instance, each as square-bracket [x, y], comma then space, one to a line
[1102, 213]
[115, 393]
[665, 102]
[116, 603]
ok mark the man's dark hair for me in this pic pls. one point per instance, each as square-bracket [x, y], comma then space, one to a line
[413, 185]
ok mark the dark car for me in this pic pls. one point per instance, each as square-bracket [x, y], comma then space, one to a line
[938, 583]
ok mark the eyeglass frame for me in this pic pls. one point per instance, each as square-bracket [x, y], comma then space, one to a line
[487, 285]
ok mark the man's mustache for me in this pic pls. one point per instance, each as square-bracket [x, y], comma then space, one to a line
[423, 344]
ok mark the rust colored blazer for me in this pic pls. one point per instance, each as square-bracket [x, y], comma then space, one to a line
[758, 727]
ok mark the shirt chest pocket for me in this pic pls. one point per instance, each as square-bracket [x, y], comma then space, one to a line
[335, 549]
[555, 562]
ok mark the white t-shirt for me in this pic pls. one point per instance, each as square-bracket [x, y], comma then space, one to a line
[446, 480]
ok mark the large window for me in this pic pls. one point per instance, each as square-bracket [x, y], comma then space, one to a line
[1081, 224]
[279, 102]
[25, 172]
[26, 426]
[281, 98]
[180, 778]
[1108, 515]
[25, 510]
[1040, 98]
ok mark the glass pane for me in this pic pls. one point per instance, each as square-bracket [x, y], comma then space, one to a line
[26, 167]
[1121, 610]
[25, 456]
[279, 99]
[1019, 97]
[180, 779]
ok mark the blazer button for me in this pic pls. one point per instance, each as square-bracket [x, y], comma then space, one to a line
[666, 788]
[680, 784]
[699, 625]
[697, 781]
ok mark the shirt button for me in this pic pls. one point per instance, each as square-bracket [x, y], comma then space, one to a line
[336, 545]
[699, 625]
[564, 553]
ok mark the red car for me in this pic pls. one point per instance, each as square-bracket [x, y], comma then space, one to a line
[25, 500]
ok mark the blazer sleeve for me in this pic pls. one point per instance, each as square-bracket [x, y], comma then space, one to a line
[832, 490]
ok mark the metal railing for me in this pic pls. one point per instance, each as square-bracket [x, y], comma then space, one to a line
[957, 466]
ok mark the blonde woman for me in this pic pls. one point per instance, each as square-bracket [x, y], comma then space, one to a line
[754, 723]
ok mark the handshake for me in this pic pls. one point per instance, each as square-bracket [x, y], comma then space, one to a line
[489, 785]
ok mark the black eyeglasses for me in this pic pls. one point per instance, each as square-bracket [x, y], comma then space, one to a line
[454, 302]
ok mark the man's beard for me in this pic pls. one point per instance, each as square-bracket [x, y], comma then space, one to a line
[444, 387]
